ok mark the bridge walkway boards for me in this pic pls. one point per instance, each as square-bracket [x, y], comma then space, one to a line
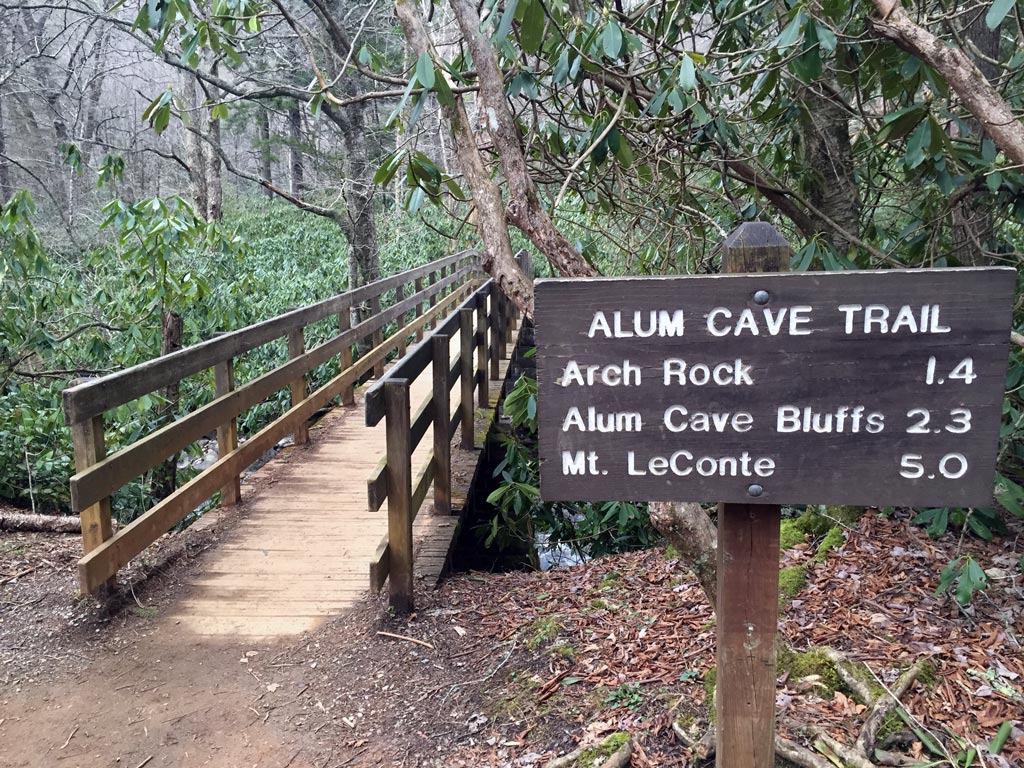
[300, 551]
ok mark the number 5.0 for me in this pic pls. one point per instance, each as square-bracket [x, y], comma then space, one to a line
[952, 466]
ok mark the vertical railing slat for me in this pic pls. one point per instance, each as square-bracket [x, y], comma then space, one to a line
[399, 473]
[441, 347]
[297, 348]
[227, 433]
[466, 375]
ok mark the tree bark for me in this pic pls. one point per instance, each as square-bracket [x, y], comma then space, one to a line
[491, 216]
[214, 183]
[690, 531]
[263, 147]
[962, 74]
[5, 169]
[296, 182]
[973, 222]
[829, 183]
[16, 521]
[165, 476]
[195, 156]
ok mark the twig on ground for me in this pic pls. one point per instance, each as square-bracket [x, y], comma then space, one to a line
[424, 643]
[70, 737]
[144, 762]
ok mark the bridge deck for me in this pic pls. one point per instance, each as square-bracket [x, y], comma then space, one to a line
[300, 551]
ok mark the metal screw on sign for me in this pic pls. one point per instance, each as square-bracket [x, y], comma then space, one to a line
[761, 297]
[755, 490]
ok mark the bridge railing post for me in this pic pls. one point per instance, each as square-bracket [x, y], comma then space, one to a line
[431, 280]
[297, 348]
[227, 433]
[400, 320]
[90, 448]
[399, 474]
[466, 376]
[417, 287]
[377, 337]
[441, 346]
[348, 395]
[481, 351]
[497, 343]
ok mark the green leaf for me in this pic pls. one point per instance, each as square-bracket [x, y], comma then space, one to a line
[999, 740]
[425, 70]
[505, 25]
[791, 33]
[898, 124]
[687, 74]
[1009, 495]
[998, 12]
[534, 21]
[611, 39]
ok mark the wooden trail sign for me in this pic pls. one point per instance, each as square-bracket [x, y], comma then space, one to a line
[821, 387]
[758, 389]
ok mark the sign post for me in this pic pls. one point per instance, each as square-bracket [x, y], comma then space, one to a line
[758, 389]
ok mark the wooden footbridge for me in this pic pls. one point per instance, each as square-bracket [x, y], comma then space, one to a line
[339, 515]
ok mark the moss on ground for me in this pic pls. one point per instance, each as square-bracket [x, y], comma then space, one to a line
[791, 581]
[790, 535]
[599, 754]
[542, 631]
[833, 539]
[810, 663]
[709, 685]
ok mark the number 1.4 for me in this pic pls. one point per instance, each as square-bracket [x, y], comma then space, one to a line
[963, 371]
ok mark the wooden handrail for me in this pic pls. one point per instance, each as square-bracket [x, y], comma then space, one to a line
[99, 476]
[96, 396]
[481, 323]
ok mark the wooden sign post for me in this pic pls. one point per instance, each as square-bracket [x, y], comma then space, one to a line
[758, 389]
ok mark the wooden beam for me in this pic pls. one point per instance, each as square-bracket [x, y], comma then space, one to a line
[97, 523]
[400, 578]
[114, 471]
[227, 433]
[466, 357]
[441, 346]
[296, 349]
[481, 350]
[748, 575]
[348, 397]
[97, 396]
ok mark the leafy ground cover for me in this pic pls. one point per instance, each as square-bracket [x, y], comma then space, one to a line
[515, 669]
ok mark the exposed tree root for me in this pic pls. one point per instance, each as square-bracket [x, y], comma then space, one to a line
[829, 750]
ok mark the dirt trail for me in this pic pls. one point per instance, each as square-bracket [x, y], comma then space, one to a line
[166, 699]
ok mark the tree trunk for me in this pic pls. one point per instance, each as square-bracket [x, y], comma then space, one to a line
[973, 223]
[195, 156]
[6, 190]
[690, 531]
[165, 476]
[296, 184]
[214, 187]
[362, 225]
[962, 74]
[263, 147]
[16, 521]
[829, 183]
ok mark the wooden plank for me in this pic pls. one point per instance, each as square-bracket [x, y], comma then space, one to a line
[481, 349]
[348, 397]
[748, 575]
[418, 358]
[377, 485]
[400, 544]
[114, 471]
[296, 349]
[421, 423]
[89, 447]
[103, 562]
[494, 322]
[442, 415]
[747, 616]
[418, 288]
[421, 484]
[99, 395]
[227, 433]
[403, 341]
[466, 356]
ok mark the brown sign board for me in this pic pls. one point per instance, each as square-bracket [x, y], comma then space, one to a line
[866, 388]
